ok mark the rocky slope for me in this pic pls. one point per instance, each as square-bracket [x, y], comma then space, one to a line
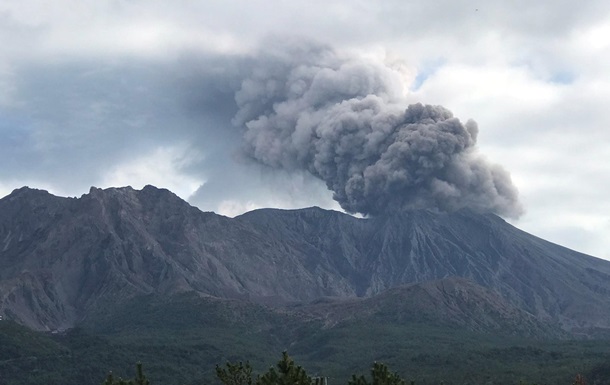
[454, 302]
[62, 258]
[548, 280]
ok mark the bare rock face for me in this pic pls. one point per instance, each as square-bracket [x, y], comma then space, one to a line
[62, 258]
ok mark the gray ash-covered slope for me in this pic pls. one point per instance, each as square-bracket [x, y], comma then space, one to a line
[552, 282]
[63, 258]
[455, 302]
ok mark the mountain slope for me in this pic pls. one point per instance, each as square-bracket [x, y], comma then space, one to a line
[548, 280]
[64, 258]
[454, 302]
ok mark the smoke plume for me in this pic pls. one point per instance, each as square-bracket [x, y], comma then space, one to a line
[343, 120]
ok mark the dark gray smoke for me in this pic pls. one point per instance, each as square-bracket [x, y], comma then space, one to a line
[342, 119]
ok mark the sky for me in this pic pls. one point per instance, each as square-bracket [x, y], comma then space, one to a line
[136, 92]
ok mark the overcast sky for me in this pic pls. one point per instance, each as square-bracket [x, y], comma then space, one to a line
[136, 92]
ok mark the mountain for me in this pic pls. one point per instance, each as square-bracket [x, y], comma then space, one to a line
[552, 282]
[62, 259]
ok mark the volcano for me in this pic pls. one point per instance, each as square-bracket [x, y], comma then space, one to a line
[62, 259]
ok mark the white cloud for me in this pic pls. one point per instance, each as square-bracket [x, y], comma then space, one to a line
[162, 168]
[232, 208]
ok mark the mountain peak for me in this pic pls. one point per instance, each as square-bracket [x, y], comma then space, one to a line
[148, 190]
[26, 191]
[26, 199]
[95, 191]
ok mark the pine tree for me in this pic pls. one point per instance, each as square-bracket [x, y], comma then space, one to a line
[235, 374]
[110, 380]
[287, 373]
[380, 375]
[140, 378]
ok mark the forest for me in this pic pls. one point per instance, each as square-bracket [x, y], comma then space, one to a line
[287, 372]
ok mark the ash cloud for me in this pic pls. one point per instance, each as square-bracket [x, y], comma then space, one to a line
[344, 120]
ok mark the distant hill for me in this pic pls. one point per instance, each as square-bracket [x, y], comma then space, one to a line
[63, 259]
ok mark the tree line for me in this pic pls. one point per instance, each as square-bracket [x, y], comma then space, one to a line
[287, 372]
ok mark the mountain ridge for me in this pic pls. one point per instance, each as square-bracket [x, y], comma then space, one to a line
[64, 257]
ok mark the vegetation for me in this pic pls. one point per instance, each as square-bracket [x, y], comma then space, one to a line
[287, 372]
[140, 378]
[181, 340]
[235, 374]
[380, 375]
